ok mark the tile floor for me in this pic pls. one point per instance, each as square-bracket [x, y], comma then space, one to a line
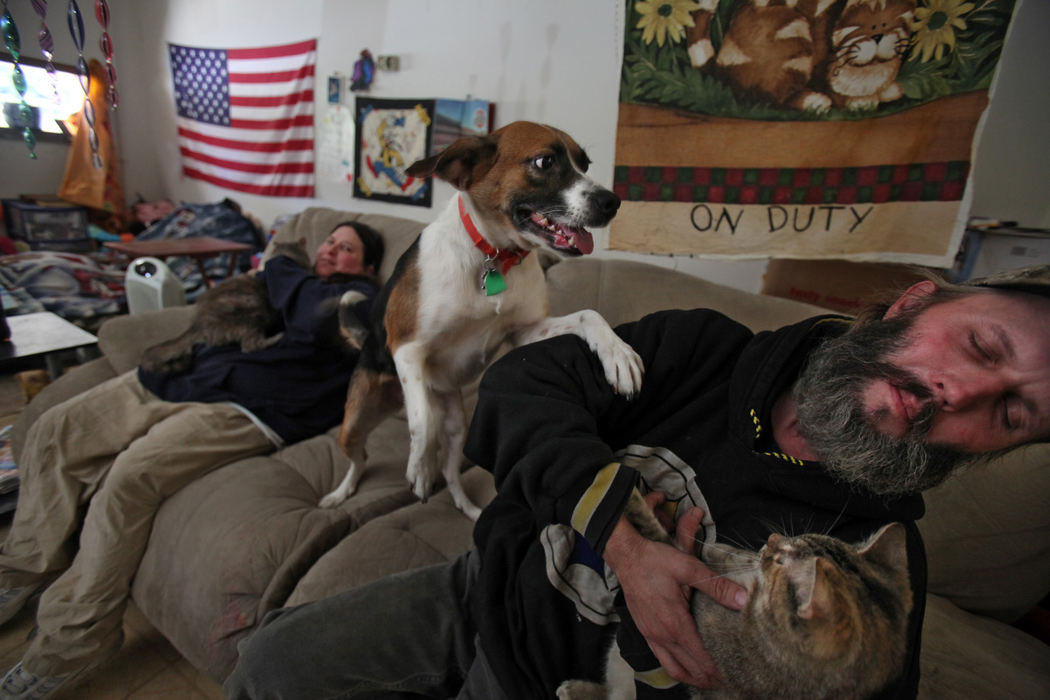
[147, 665]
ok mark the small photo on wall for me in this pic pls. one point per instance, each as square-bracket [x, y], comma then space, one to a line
[335, 89]
[392, 135]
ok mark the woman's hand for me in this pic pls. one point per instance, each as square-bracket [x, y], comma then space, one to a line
[657, 579]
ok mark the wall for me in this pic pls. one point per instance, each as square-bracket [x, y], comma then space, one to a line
[544, 60]
[1011, 172]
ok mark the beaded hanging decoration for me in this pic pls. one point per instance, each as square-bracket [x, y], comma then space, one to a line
[14, 47]
[76, 29]
[47, 46]
[106, 44]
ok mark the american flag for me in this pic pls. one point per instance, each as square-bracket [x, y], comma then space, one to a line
[246, 116]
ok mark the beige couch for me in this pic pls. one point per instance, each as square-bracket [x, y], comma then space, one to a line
[249, 537]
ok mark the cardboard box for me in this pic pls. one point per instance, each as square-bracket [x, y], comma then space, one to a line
[837, 285]
[986, 251]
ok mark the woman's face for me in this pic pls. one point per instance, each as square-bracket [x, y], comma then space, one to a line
[342, 252]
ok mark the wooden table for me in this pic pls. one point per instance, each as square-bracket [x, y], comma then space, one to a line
[46, 334]
[199, 248]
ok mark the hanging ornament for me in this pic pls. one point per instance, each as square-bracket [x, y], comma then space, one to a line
[47, 46]
[14, 47]
[106, 44]
[76, 29]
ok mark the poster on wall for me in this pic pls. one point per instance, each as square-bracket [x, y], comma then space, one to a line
[840, 129]
[391, 135]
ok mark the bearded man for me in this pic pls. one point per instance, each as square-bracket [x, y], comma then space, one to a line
[831, 425]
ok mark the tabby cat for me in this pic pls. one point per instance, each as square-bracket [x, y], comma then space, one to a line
[237, 310]
[807, 54]
[825, 619]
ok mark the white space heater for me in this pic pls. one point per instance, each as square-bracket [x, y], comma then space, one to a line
[150, 285]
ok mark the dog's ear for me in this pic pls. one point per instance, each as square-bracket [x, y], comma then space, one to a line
[461, 164]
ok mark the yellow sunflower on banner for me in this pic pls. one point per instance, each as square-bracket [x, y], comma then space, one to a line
[662, 19]
[934, 28]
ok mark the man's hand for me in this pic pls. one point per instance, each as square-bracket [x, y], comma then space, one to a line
[656, 580]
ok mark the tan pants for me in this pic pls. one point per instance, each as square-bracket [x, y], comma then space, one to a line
[122, 451]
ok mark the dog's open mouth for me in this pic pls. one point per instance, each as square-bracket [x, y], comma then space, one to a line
[559, 236]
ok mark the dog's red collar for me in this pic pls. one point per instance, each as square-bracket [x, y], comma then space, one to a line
[507, 259]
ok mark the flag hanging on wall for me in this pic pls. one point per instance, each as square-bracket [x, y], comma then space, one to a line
[246, 116]
[833, 129]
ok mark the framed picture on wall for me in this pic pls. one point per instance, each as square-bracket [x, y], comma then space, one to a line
[391, 135]
[454, 119]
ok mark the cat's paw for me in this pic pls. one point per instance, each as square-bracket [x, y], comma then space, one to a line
[860, 104]
[810, 101]
[891, 92]
[700, 53]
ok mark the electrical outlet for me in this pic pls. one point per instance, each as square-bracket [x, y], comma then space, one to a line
[390, 63]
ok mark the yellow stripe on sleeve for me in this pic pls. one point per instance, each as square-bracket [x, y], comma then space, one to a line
[592, 498]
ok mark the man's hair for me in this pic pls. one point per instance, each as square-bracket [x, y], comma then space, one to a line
[371, 240]
[946, 291]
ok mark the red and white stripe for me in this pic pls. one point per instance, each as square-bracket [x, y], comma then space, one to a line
[268, 148]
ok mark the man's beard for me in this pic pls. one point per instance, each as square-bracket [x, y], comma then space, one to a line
[832, 419]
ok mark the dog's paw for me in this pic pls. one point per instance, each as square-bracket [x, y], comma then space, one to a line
[581, 690]
[344, 490]
[623, 367]
[333, 499]
[422, 474]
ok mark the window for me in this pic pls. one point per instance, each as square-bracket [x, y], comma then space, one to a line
[49, 110]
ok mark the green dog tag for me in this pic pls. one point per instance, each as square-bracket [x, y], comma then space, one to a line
[493, 282]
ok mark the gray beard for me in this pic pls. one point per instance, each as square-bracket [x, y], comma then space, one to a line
[831, 416]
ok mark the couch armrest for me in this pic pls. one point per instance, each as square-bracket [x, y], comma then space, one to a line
[123, 339]
[73, 382]
[987, 537]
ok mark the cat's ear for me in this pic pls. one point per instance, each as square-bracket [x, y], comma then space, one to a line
[813, 590]
[888, 548]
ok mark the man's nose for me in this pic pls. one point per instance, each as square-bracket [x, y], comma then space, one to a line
[959, 393]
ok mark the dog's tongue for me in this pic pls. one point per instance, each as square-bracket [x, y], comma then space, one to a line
[584, 240]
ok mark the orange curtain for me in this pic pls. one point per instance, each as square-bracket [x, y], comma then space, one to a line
[97, 188]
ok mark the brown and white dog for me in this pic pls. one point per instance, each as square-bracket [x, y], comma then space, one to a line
[468, 285]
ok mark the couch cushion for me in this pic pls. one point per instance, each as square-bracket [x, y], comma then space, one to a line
[420, 535]
[232, 545]
[600, 284]
[987, 534]
[967, 656]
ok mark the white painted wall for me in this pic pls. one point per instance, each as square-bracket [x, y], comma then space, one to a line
[554, 61]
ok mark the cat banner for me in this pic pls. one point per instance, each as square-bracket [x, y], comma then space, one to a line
[809, 129]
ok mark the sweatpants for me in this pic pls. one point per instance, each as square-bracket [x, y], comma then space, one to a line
[121, 451]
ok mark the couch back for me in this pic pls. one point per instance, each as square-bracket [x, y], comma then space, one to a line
[315, 223]
[624, 290]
